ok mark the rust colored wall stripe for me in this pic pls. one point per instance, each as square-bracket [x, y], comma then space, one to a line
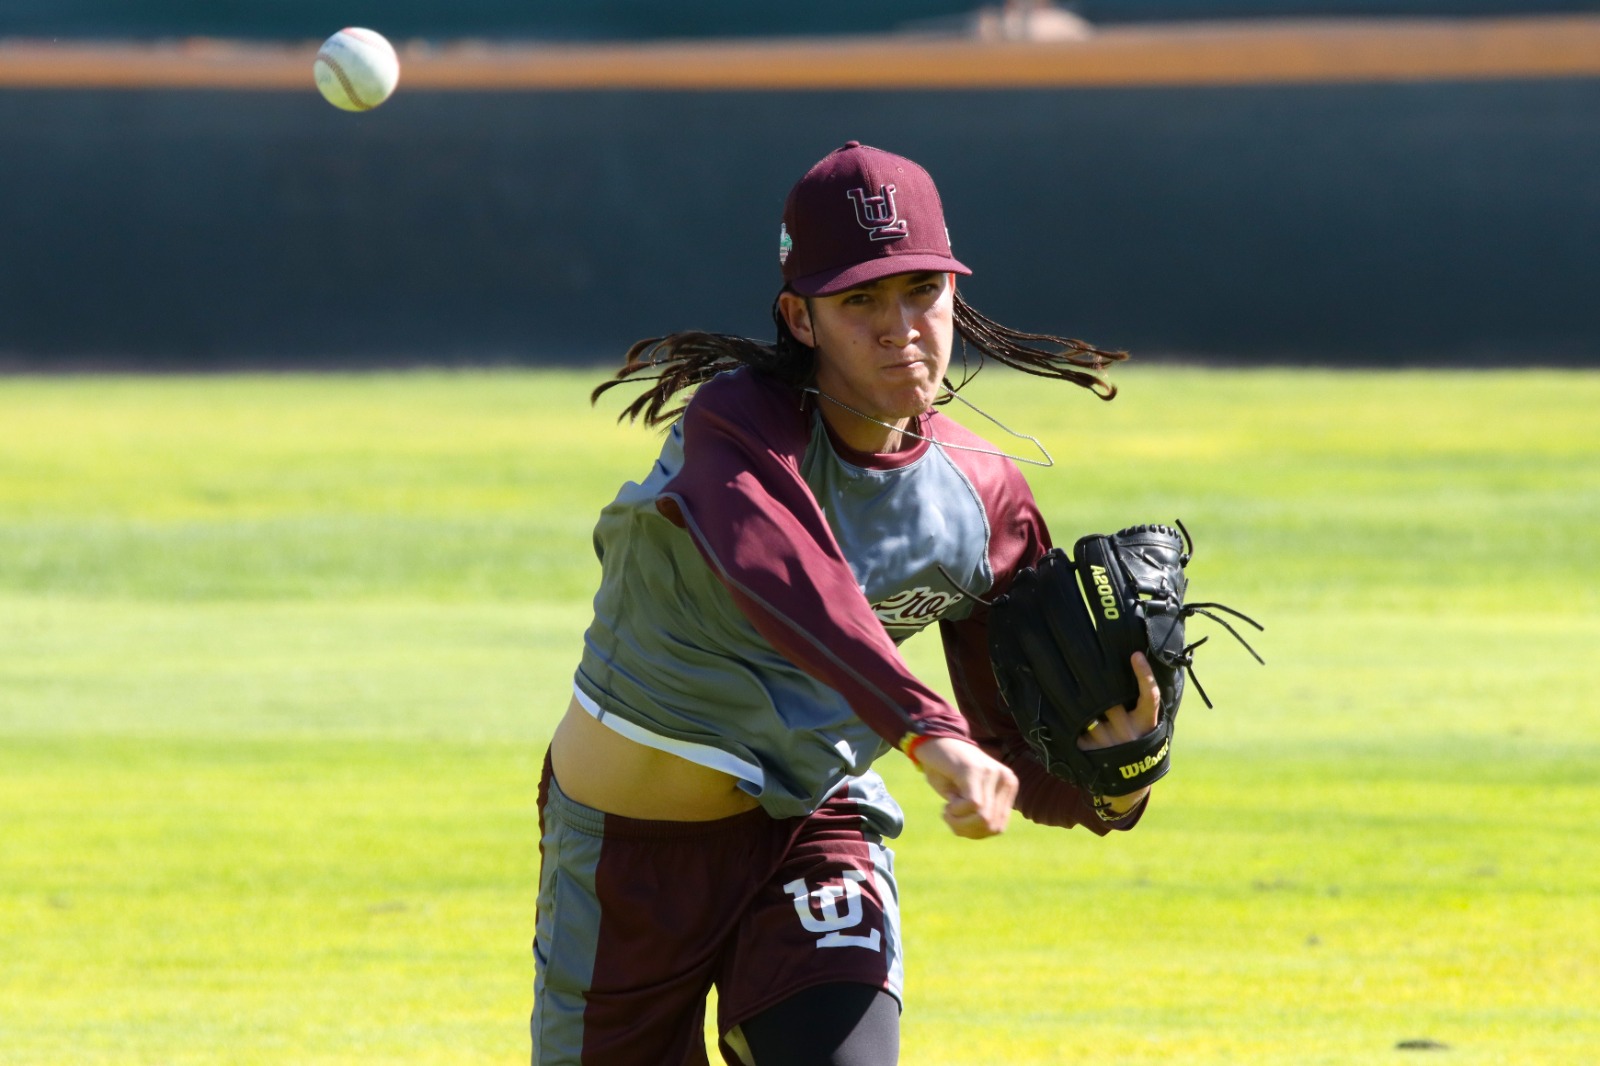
[1192, 54]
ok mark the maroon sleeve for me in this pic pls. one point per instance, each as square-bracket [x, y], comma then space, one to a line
[1018, 538]
[741, 496]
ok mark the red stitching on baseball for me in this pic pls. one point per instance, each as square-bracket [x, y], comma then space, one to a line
[349, 90]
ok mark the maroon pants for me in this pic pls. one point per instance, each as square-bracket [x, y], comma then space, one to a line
[637, 920]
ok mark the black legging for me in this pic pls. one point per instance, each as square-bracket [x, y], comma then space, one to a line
[828, 1025]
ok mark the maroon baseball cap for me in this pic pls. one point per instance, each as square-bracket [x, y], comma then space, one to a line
[858, 215]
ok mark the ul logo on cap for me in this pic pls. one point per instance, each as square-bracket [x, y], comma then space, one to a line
[877, 215]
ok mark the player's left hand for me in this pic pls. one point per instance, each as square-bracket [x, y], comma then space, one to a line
[1121, 725]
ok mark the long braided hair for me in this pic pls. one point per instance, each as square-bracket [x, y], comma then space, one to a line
[680, 361]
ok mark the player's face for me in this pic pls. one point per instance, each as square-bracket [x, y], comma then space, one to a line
[882, 349]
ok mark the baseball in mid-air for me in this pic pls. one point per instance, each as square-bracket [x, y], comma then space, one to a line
[356, 69]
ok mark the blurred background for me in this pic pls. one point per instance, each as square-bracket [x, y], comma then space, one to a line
[1349, 181]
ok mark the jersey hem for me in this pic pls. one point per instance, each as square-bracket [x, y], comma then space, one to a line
[750, 776]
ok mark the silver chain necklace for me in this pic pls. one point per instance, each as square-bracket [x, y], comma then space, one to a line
[1046, 461]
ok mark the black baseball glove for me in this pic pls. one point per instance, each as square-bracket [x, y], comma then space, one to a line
[1062, 637]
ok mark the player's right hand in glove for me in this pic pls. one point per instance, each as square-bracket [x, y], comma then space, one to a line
[978, 789]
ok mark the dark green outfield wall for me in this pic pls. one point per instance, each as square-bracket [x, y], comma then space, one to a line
[642, 19]
[1410, 222]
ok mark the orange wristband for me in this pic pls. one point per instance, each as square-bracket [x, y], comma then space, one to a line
[911, 749]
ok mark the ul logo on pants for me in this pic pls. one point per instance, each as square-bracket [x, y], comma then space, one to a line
[831, 923]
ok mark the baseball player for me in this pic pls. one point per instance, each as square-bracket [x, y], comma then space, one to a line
[709, 813]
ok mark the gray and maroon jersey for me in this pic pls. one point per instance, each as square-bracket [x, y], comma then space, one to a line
[756, 584]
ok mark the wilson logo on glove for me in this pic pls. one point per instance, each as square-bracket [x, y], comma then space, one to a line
[1061, 664]
[1133, 770]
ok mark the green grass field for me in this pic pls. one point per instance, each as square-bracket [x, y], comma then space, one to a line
[279, 656]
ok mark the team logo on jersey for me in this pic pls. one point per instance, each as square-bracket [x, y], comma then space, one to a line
[914, 608]
[825, 919]
[877, 214]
